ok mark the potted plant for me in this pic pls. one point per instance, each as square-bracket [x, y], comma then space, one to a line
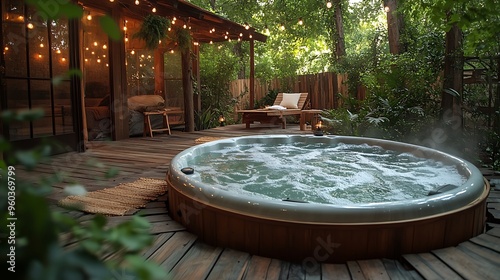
[154, 28]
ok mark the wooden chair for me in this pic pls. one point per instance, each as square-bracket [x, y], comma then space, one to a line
[274, 116]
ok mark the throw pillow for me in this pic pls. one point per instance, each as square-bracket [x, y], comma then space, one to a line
[290, 100]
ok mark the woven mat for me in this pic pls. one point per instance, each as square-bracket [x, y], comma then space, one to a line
[206, 139]
[120, 200]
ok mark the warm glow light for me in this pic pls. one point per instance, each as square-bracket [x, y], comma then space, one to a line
[63, 59]
[250, 36]
[184, 26]
[169, 29]
[6, 48]
[132, 52]
[111, 1]
[95, 43]
[58, 51]
[142, 55]
[98, 60]
[41, 45]
[174, 19]
[211, 42]
[282, 27]
[39, 56]
[107, 65]
[154, 10]
[89, 16]
[149, 56]
[241, 34]
[172, 51]
[86, 59]
[301, 21]
[87, 48]
[92, 52]
[247, 26]
[328, 4]
[387, 9]
[30, 26]
[137, 2]
[104, 46]
[103, 55]
[124, 28]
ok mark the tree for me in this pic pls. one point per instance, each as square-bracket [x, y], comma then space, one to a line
[395, 25]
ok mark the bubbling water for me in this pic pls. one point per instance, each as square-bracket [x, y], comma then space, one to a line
[339, 174]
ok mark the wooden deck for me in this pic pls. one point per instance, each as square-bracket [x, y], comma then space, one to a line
[183, 256]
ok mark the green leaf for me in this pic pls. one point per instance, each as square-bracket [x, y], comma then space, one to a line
[109, 25]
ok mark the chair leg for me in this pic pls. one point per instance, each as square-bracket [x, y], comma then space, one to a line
[149, 127]
[166, 123]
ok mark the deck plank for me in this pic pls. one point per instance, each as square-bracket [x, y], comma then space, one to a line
[373, 269]
[196, 263]
[257, 268]
[395, 270]
[355, 270]
[488, 241]
[230, 265]
[430, 267]
[466, 266]
[335, 271]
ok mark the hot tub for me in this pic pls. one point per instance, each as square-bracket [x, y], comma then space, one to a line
[301, 230]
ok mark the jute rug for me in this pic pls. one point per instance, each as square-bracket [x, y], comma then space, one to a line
[123, 199]
[205, 139]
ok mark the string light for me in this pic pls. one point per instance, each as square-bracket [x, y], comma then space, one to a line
[329, 4]
[282, 27]
[30, 26]
[95, 43]
[89, 16]
[137, 2]
[41, 45]
[301, 22]
[58, 51]
[111, 1]
[247, 26]
[132, 52]
[104, 46]
[154, 10]
[387, 9]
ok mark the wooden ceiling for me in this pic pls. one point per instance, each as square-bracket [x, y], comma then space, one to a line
[205, 26]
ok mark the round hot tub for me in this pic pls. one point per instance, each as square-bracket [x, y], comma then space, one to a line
[325, 199]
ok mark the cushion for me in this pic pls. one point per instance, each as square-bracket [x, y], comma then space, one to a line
[276, 107]
[290, 100]
[144, 103]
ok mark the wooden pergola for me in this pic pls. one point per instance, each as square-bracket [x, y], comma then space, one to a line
[204, 27]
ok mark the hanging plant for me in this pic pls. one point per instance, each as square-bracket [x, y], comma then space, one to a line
[154, 28]
[183, 38]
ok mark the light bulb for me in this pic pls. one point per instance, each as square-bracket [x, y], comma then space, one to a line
[89, 16]
[137, 2]
[328, 4]
[154, 10]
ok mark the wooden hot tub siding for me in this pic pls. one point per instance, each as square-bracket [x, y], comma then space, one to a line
[328, 243]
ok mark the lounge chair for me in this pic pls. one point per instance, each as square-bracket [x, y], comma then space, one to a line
[285, 104]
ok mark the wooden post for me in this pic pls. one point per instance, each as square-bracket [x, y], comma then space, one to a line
[252, 73]
[187, 86]
[158, 72]
[118, 107]
[196, 74]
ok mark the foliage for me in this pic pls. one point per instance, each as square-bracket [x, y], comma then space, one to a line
[220, 68]
[153, 29]
[183, 38]
[266, 100]
[207, 118]
[39, 254]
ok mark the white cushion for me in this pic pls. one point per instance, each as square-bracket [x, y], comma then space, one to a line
[276, 107]
[290, 100]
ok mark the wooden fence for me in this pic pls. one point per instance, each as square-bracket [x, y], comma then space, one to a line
[324, 89]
